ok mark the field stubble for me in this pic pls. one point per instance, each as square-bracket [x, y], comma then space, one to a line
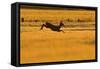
[48, 46]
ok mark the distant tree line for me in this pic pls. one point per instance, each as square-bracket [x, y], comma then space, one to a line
[66, 20]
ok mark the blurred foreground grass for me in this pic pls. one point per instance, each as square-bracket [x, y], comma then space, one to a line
[49, 46]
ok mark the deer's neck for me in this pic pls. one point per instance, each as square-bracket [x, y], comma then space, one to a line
[59, 26]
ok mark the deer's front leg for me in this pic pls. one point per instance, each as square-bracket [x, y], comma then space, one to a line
[62, 31]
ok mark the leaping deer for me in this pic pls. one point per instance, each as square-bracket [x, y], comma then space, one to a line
[53, 27]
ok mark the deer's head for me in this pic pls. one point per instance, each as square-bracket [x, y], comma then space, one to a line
[61, 24]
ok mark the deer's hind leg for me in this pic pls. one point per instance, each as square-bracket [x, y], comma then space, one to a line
[43, 25]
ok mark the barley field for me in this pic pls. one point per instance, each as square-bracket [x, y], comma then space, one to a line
[77, 42]
[49, 46]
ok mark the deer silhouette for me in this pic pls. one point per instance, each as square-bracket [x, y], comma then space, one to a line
[53, 27]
